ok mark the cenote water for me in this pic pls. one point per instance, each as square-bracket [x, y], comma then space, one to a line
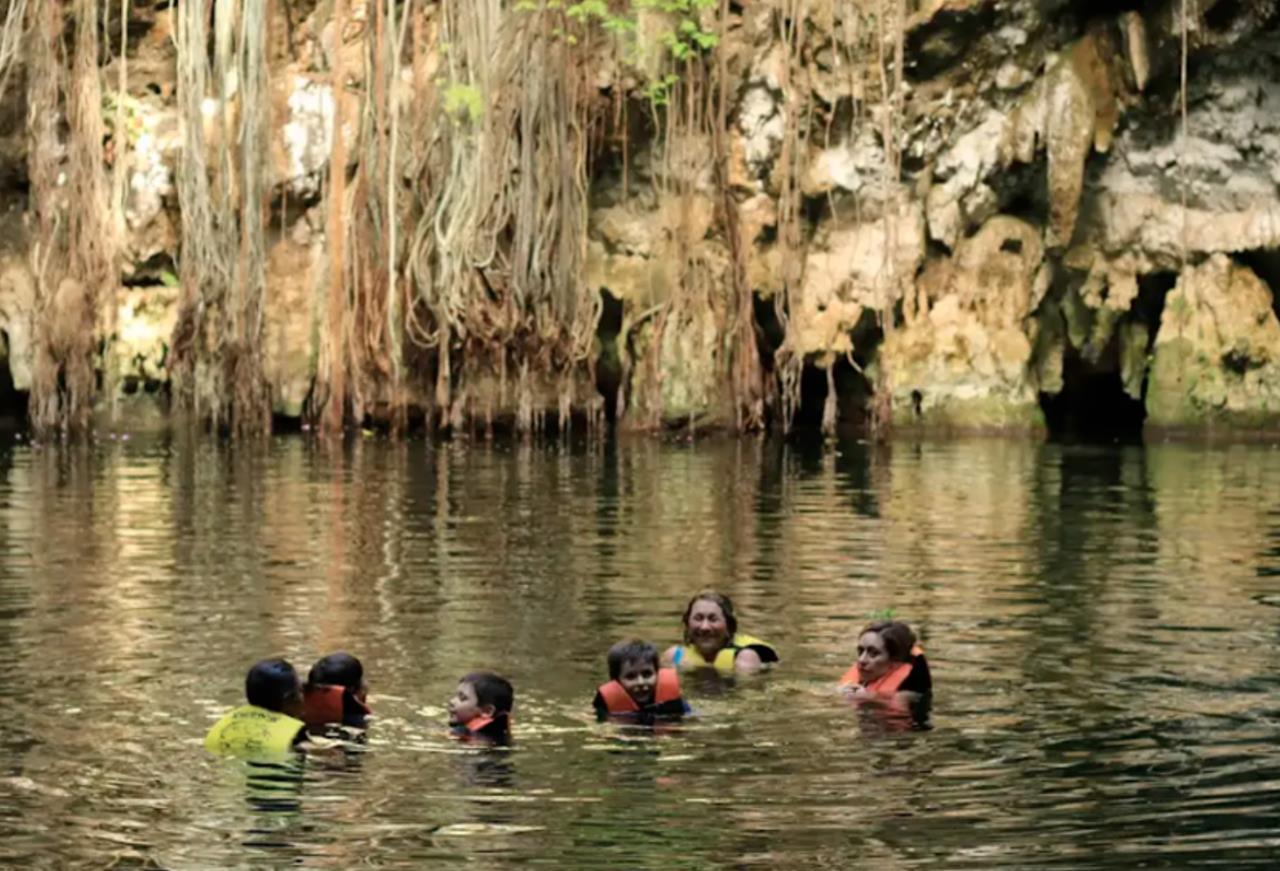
[1102, 625]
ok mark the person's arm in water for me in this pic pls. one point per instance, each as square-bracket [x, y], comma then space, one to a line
[747, 661]
[669, 656]
[918, 684]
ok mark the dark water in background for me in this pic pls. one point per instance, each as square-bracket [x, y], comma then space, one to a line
[1103, 626]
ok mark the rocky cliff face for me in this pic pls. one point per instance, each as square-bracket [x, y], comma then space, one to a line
[1015, 228]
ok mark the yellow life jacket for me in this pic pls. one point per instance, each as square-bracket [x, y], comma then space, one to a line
[253, 731]
[687, 656]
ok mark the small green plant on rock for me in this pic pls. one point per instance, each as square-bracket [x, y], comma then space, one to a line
[685, 40]
[463, 100]
[130, 111]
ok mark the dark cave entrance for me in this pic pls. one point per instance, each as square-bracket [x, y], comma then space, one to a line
[1093, 405]
[1265, 263]
[609, 362]
[854, 391]
[13, 402]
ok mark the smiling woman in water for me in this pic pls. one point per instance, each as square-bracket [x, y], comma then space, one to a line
[712, 639]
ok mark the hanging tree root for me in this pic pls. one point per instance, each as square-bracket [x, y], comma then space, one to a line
[497, 254]
[74, 245]
[216, 357]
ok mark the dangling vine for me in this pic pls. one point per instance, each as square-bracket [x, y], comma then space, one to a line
[498, 251]
[789, 360]
[747, 377]
[891, 91]
[216, 358]
[1182, 139]
[331, 379]
[74, 250]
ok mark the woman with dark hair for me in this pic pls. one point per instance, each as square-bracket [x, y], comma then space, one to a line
[890, 664]
[712, 639]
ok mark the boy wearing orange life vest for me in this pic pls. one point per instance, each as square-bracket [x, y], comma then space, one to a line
[336, 693]
[639, 689]
[481, 708]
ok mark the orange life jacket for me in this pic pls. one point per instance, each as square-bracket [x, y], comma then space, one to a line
[885, 685]
[472, 728]
[325, 703]
[618, 701]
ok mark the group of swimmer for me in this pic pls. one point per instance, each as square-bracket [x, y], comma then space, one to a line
[282, 713]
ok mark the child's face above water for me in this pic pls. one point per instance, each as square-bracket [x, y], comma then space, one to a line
[639, 677]
[464, 706]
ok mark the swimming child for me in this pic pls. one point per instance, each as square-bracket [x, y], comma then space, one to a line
[638, 688]
[336, 692]
[481, 707]
[271, 723]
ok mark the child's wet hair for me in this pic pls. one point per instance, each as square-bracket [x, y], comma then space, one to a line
[630, 651]
[337, 669]
[492, 689]
[271, 684]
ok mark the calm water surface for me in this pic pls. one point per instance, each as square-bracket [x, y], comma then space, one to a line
[1103, 627]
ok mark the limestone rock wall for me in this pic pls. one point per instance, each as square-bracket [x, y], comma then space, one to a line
[1036, 213]
[1044, 180]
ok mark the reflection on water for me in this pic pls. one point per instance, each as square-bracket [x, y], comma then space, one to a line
[1102, 626]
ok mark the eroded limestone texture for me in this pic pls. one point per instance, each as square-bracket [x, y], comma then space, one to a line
[1033, 202]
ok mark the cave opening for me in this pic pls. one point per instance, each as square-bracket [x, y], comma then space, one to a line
[1022, 191]
[1083, 11]
[1265, 263]
[13, 402]
[609, 362]
[853, 398]
[1093, 405]
[946, 39]
[854, 390]
[1228, 16]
